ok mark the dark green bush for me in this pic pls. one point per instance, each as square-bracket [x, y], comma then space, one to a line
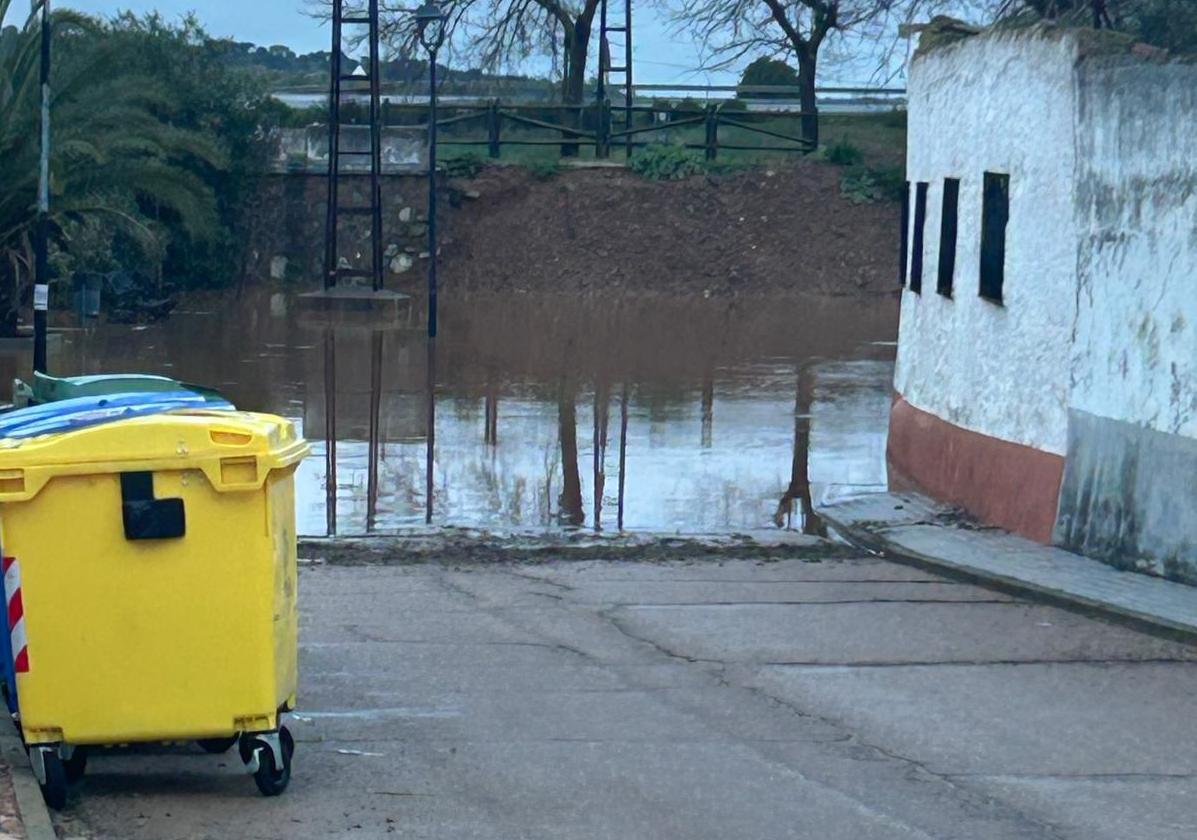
[866, 185]
[660, 162]
[844, 153]
[543, 169]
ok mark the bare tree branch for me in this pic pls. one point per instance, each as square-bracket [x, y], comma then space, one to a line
[497, 32]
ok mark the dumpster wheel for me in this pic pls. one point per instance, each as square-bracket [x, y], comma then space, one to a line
[75, 764]
[51, 776]
[268, 757]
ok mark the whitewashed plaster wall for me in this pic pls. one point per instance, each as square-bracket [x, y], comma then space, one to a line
[1135, 354]
[999, 103]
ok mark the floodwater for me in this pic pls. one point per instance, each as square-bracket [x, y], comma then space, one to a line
[654, 415]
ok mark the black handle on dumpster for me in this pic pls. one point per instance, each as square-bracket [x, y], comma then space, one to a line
[145, 517]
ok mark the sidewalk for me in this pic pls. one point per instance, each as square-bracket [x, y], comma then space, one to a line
[23, 814]
[911, 528]
[10, 819]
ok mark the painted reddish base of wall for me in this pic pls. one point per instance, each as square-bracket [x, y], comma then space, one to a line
[1005, 484]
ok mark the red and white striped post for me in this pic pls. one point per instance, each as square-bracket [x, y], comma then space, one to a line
[16, 615]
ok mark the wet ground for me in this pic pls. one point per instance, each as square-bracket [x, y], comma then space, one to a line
[843, 699]
[650, 687]
[657, 415]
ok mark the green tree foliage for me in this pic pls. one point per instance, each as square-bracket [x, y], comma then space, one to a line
[771, 72]
[154, 137]
[212, 98]
[114, 153]
[1171, 24]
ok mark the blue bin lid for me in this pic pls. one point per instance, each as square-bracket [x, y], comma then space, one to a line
[84, 412]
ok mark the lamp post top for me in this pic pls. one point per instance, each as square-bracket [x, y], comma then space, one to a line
[430, 24]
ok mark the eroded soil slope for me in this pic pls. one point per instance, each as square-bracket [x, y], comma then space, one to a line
[763, 231]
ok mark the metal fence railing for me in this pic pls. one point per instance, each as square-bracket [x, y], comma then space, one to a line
[494, 125]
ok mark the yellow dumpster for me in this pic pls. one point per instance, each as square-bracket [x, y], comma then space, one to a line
[150, 573]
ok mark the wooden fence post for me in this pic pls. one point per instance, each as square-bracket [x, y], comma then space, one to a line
[602, 130]
[712, 123]
[494, 129]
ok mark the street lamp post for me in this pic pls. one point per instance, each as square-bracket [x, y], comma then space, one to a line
[430, 26]
[41, 280]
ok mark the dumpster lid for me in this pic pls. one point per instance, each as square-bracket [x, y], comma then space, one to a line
[46, 388]
[84, 412]
[236, 450]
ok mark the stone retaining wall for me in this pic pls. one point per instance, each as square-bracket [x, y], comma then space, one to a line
[287, 232]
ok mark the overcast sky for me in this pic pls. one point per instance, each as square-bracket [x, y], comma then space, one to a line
[660, 54]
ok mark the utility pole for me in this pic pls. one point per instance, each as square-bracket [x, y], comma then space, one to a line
[41, 280]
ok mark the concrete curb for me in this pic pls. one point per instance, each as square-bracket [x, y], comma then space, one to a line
[876, 543]
[34, 816]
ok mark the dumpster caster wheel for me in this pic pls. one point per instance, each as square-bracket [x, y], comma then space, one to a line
[217, 746]
[51, 776]
[75, 765]
[268, 757]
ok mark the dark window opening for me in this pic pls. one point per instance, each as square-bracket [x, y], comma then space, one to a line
[995, 215]
[947, 236]
[905, 234]
[920, 222]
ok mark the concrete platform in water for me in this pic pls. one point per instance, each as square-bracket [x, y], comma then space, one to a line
[356, 299]
[356, 304]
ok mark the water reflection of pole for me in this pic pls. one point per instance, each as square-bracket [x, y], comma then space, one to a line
[623, 450]
[430, 454]
[375, 445]
[330, 431]
[800, 489]
[492, 413]
[571, 488]
[602, 413]
[708, 407]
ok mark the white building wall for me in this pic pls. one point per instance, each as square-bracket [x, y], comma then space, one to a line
[1129, 481]
[1000, 103]
[1135, 358]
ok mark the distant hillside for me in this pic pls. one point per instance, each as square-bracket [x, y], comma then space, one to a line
[285, 69]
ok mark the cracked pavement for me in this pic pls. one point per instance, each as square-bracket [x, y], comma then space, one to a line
[849, 698]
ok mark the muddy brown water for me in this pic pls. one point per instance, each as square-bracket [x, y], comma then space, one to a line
[725, 416]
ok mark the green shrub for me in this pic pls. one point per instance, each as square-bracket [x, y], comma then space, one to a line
[660, 162]
[865, 185]
[723, 166]
[543, 169]
[891, 181]
[844, 153]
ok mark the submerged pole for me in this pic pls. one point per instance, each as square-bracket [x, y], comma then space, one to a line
[330, 430]
[430, 439]
[41, 280]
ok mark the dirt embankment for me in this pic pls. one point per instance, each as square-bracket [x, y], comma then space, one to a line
[785, 230]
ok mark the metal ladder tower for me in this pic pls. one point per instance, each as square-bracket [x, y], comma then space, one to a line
[607, 67]
[368, 80]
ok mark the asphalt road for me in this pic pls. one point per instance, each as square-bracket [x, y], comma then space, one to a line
[852, 699]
